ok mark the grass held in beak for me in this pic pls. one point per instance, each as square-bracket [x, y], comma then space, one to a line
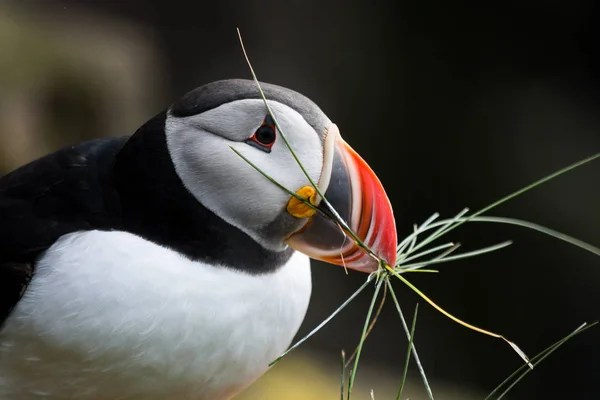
[352, 227]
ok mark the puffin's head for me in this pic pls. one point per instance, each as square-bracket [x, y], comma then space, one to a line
[203, 125]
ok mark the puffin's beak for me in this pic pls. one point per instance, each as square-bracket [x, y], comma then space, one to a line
[356, 194]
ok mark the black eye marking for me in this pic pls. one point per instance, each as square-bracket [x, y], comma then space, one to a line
[264, 137]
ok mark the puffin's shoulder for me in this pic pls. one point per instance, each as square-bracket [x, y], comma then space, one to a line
[62, 192]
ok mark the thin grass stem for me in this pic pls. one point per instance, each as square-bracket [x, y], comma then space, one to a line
[473, 253]
[402, 268]
[407, 240]
[363, 337]
[519, 192]
[538, 358]
[375, 318]
[434, 271]
[343, 375]
[408, 352]
[408, 335]
[525, 224]
[547, 231]
[325, 321]
[339, 219]
[446, 227]
[414, 239]
[279, 185]
[428, 251]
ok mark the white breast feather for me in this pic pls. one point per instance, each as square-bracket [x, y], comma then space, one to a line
[109, 315]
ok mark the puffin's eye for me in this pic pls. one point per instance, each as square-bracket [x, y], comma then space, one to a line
[265, 135]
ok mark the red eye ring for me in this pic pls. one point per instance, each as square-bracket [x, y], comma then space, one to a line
[265, 135]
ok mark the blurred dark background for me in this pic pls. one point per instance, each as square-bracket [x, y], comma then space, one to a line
[453, 104]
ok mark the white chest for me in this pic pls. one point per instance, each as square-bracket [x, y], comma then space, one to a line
[109, 315]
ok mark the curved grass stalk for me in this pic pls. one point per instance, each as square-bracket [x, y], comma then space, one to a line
[457, 320]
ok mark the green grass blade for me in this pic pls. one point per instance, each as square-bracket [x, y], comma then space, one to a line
[447, 226]
[537, 183]
[428, 251]
[373, 321]
[413, 242]
[513, 195]
[407, 240]
[473, 253]
[408, 352]
[431, 271]
[400, 268]
[363, 336]
[325, 321]
[550, 232]
[408, 335]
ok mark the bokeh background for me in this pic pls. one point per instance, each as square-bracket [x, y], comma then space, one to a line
[453, 104]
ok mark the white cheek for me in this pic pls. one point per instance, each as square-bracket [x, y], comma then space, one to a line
[230, 187]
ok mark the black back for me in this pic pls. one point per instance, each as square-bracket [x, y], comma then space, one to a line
[125, 184]
[63, 192]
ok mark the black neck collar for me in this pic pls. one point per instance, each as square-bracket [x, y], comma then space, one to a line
[157, 206]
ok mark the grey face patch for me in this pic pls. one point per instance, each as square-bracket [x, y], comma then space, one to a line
[217, 93]
[281, 227]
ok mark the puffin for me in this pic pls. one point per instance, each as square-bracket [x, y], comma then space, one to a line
[164, 264]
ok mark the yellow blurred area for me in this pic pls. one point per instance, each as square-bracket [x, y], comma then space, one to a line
[305, 376]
